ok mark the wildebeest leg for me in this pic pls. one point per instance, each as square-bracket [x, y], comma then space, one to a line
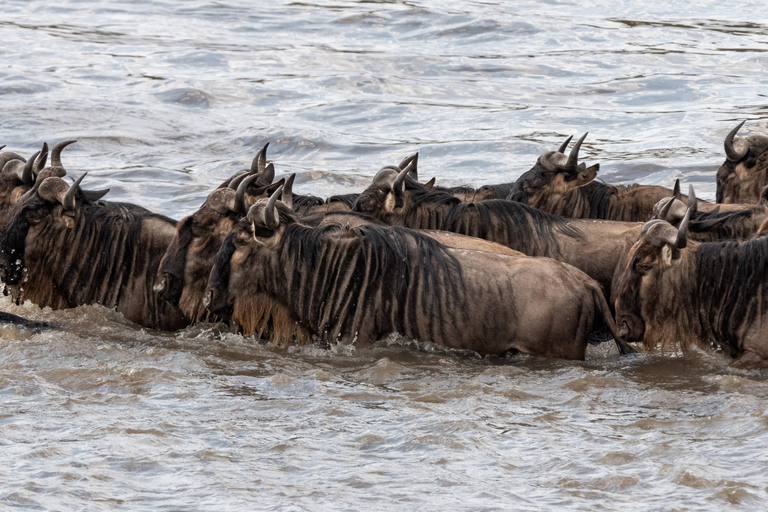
[749, 361]
[8, 318]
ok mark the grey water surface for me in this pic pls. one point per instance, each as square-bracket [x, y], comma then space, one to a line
[168, 98]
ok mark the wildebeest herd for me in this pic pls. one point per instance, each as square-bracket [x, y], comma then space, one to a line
[543, 265]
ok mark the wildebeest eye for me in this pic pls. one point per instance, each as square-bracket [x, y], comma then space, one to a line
[642, 266]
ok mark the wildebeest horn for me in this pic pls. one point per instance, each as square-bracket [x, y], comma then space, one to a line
[240, 196]
[3, 146]
[69, 199]
[413, 161]
[259, 162]
[271, 219]
[676, 190]
[572, 164]
[682, 234]
[7, 156]
[28, 176]
[564, 145]
[42, 159]
[665, 210]
[288, 191]
[235, 182]
[693, 204]
[95, 195]
[431, 183]
[398, 183]
[730, 151]
[56, 152]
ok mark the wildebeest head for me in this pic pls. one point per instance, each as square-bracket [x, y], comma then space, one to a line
[259, 231]
[50, 206]
[184, 269]
[658, 248]
[387, 194]
[553, 176]
[17, 177]
[744, 173]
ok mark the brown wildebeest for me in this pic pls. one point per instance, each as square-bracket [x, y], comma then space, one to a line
[559, 184]
[359, 284]
[679, 292]
[186, 265]
[712, 222]
[743, 176]
[61, 250]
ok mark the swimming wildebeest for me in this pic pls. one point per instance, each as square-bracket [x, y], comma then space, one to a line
[712, 222]
[742, 177]
[678, 292]
[559, 184]
[186, 265]
[358, 284]
[61, 250]
[18, 176]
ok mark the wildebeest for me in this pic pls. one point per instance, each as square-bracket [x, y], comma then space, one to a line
[60, 249]
[715, 295]
[184, 270]
[358, 284]
[18, 176]
[744, 174]
[712, 222]
[559, 184]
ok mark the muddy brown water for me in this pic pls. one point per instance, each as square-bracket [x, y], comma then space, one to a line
[166, 99]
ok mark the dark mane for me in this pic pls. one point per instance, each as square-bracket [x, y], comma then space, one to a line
[510, 223]
[378, 257]
[308, 201]
[736, 225]
[731, 287]
[346, 199]
[500, 190]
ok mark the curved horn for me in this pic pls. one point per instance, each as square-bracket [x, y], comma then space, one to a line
[56, 152]
[95, 195]
[682, 233]
[42, 159]
[3, 146]
[665, 211]
[271, 220]
[676, 190]
[235, 182]
[430, 184]
[412, 160]
[730, 151]
[564, 145]
[259, 162]
[7, 156]
[288, 191]
[397, 185]
[573, 157]
[240, 196]
[69, 199]
[693, 204]
[28, 176]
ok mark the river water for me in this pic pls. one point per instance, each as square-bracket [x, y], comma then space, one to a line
[167, 98]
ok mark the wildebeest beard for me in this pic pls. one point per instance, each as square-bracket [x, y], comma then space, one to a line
[330, 280]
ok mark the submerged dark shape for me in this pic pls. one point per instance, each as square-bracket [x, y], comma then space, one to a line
[676, 291]
[61, 250]
[744, 174]
[358, 284]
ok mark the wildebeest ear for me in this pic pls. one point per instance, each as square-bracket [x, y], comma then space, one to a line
[428, 185]
[288, 191]
[268, 176]
[586, 176]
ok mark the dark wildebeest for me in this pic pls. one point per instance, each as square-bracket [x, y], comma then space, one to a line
[61, 250]
[559, 184]
[679, 292]
[184, 270]
[744, 174]
[712, 222]
[18, 176]
[359, 284]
